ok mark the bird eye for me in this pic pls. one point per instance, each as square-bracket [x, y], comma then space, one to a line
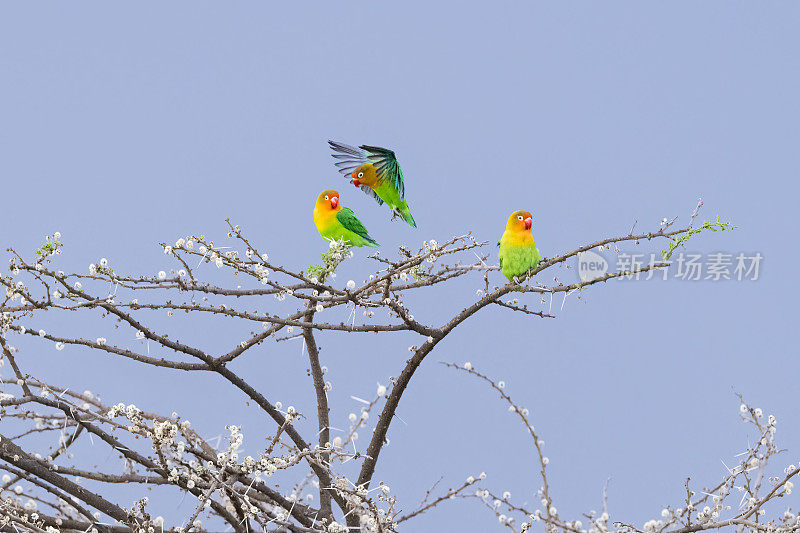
[519, 217]
[326, 197]
[360, 174]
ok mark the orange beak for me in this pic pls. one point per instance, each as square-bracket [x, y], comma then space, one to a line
[334, 202]
[528, 223]
[354, 179]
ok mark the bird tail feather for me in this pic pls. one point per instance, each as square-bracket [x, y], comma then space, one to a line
[405, 214]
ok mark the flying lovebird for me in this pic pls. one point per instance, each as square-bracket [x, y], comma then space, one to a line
[518, 252]
[338, 223]
[375, 171]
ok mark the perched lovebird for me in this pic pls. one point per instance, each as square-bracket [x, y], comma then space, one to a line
[518, 252]
[376, 171]
[336, 223]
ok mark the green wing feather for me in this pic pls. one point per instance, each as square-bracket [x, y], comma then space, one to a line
[347, 218]
[387, 166]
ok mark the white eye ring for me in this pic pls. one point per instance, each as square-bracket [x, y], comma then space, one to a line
[360, 174]
[519, 217]
[326, 197]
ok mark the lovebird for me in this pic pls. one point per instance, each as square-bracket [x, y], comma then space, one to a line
[336, 222]
[376, 171]
[518, 252]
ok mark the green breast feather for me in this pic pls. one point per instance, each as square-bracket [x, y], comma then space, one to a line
[517, 260]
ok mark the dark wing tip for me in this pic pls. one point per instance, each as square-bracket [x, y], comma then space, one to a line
[378, 151]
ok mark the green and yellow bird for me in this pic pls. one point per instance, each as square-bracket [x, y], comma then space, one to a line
[338, 223]
[376, 171]
[518, 252]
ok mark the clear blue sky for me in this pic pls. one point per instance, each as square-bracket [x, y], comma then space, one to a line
[124, 126]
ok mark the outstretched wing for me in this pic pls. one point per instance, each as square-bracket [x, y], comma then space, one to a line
[348, 219]
[386, 165]
[349, 158]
